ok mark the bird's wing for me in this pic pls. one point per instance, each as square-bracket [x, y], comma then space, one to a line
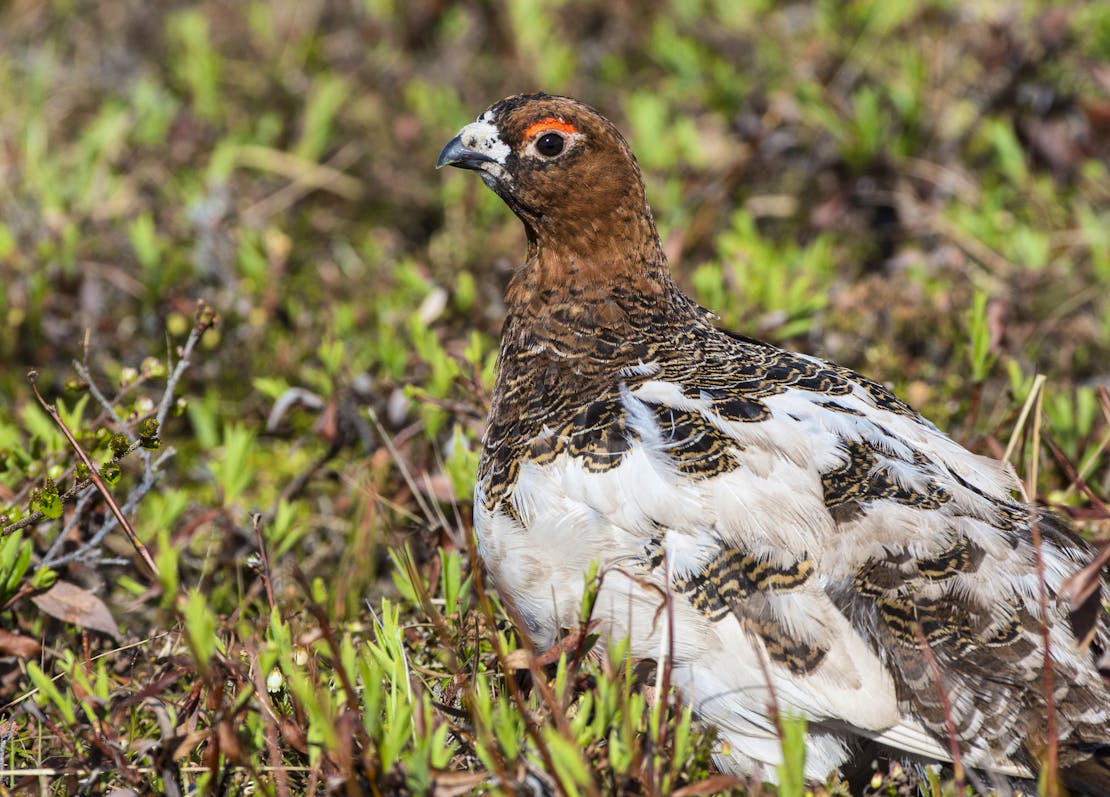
[829, 535]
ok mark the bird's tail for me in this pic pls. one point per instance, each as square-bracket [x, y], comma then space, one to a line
[1091, 777]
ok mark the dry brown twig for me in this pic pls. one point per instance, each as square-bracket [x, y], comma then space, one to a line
[1032, 411]
[94, 477]
[958, 770]
[264, 559]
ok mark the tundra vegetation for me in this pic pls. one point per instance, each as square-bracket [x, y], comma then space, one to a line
[248, 333]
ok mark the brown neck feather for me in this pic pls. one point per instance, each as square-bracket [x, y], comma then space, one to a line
[590, 309]
[591, 255]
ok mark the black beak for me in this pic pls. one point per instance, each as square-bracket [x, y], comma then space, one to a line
[455, 154]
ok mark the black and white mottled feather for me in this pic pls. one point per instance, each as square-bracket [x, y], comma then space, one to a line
[814, 531]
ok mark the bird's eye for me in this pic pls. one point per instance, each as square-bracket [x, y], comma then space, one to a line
[550, 144]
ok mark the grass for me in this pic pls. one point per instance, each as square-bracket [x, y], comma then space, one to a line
[271, 326]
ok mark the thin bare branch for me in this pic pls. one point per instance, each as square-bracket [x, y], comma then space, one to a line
[958, 772]
[94, 476]
[1030, 401]
[204, 320]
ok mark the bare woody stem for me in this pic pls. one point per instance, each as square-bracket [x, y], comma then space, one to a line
[958, 770]
[94, 477]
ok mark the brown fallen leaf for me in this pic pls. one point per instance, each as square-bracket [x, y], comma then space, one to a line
[519, 659]
[72, 604]
[453, 784]
[1098, 111]
[188, 745]
[1083, 592]
[1057, 141]
[230, 743]
[293, 734]
[12, 644]
[714, 784]
[568, 645]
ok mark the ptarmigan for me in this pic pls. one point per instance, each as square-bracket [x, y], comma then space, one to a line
[812, 529]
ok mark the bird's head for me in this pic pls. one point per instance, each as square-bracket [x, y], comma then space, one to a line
[564, 169]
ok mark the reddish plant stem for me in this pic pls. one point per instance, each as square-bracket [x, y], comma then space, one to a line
[94, 476]
[950, 726]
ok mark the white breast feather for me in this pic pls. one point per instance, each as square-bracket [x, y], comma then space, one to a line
[772, 505]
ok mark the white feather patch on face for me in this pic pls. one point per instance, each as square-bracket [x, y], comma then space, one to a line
[484, 137]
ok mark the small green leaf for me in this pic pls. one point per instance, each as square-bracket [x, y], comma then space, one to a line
[1008, 150]
[153, 367]
[44, 578]
[234, 471]
[200, 628]
[461, 463]
[144, 242]
[568, 758]
[15, 559]
[119, 444]
[325, 99]
[590, 592]
[50, 694]
[47, 500]
[465, 291]
[110, 472]
[196, 61]
[148, 434]
[792, 768]
[979, 355]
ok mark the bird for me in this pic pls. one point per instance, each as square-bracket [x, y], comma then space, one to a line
[788, 534]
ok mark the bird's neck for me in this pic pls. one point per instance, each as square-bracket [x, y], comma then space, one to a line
[589, 250]
[596, 303]
[579, 326]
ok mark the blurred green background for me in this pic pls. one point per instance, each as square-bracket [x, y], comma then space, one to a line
[917, 190]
